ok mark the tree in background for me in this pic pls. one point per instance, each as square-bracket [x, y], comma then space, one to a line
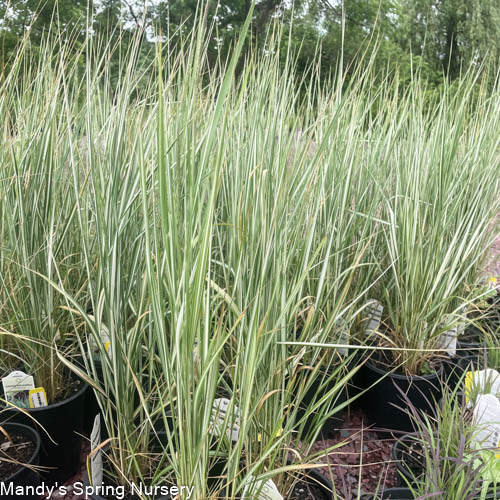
[437, 36]
[450, 34]
[38, 16]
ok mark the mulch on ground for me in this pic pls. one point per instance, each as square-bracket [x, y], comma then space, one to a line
[361, 463]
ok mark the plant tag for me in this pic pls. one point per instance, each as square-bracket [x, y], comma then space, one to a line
[219, 413]
[374, 316]
[96, 458]
[268, 490]
[343, 327]
[105, 338]
[462, 324]
[16, 387]
[38, 397]
[447, 341]
[487, 418]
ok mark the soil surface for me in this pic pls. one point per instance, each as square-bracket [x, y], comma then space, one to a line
[74, 386]
[362, 462]
[19, 449]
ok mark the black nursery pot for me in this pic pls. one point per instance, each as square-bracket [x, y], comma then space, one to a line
[401, 455]
[316, 479]
[321, 386]
[451, 371]
[456, 367]
[24, 476]
[471, 343]
[63, 422]
[91, 404]
[393, 494]
[386, 403]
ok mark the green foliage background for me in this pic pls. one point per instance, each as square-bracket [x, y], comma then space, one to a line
[436, 36]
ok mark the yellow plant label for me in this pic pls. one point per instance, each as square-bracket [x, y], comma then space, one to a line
[37, 397]
[469, 378]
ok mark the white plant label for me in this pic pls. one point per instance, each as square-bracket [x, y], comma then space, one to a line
[16, 387]
[268, 490]
[487, 418]
[374, 316]
[343, 337]
[96, 458]
[38, 397]
[219, 413]
[461, 326]
[105, 338]
[447, 341]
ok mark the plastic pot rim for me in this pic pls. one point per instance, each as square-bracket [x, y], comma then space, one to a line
[405, 471]
[398, 376]
[51, 406]
[399, 463]
[389, 490]
[31, 433]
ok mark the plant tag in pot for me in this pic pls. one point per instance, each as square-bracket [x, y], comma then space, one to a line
[38, 397]
[463, 323]
[374, 316]
[268, 490]
[487, 418]
[95, 453]
[447, 341]
[219, 413]
[105, 338]
[343, 328]
[17, 386]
